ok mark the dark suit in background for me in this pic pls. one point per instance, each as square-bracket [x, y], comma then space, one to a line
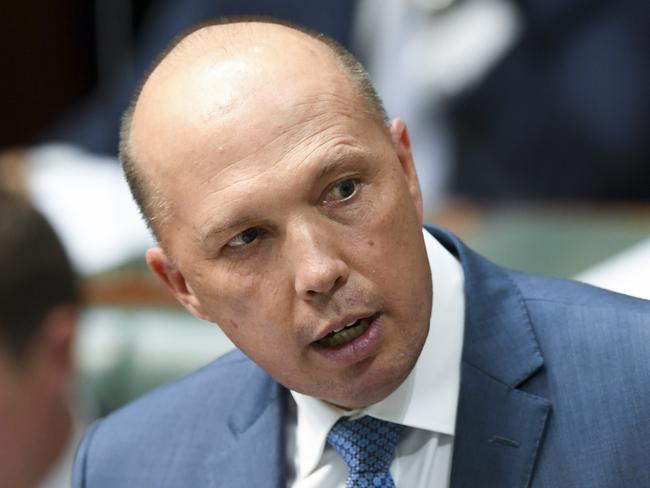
[555, 392]
[94, 126]
[566, 114]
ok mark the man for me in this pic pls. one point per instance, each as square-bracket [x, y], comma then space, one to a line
[38, 303]
[288, 212]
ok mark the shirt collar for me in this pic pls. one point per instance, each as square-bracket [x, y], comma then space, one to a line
[428, 398]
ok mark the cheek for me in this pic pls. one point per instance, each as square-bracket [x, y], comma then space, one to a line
[393, 229]
[224, 291]
[248, 307]
[394, 236]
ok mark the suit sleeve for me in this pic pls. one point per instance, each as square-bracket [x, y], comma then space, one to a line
[80, 466]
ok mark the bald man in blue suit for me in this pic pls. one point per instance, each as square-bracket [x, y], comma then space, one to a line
[301, 237]
[555, 392]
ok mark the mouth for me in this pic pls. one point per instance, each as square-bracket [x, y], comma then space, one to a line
[347, 333]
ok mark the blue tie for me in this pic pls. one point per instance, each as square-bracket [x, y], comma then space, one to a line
[367, 445]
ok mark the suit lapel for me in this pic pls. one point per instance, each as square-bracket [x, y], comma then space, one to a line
[499, 428]
[252, 451]
[498, 433]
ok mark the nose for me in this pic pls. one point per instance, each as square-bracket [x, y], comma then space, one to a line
[319, 269]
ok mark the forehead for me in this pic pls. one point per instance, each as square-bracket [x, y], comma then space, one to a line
[273, 163]
[225, 85]
[213, 125]
[297, 140]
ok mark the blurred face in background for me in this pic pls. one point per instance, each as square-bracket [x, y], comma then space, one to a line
[35, 417]
[39, 299]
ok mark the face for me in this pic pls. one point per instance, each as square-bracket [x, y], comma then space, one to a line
[302, 239]
[34, 404]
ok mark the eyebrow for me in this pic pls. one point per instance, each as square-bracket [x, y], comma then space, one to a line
[330, 166]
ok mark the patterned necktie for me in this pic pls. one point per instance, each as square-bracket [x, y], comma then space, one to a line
[367, 445]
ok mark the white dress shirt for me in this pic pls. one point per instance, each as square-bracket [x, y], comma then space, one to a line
[426, 401]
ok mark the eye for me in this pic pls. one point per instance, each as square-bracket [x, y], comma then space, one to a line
[341, 191]
[245, 238]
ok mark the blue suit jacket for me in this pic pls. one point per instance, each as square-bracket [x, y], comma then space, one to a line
[555, 392]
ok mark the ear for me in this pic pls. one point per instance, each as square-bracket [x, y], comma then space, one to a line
[402, 146]
[173, 279]
[54, 347]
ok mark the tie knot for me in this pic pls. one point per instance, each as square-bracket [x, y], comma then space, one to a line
[367, 445]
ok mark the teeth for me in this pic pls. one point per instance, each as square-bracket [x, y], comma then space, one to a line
[346, 334]
[344, 327]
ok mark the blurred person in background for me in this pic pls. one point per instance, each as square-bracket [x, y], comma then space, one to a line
[39, 299]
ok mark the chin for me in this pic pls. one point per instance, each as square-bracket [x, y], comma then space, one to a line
[373, 385]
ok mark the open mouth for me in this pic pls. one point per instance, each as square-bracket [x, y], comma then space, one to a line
[348, 333]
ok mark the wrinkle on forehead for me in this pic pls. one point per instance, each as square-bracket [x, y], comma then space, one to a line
[241, 183]
[300, 137]
[238, 190]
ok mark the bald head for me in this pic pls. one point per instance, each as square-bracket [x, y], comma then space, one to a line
[230, 78]
[281, 191]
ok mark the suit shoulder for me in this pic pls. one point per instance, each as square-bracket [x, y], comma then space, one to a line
[216, 379]
[595, 346]
[166, 426]
[536, 288]
[576, 321]
[177, 429]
